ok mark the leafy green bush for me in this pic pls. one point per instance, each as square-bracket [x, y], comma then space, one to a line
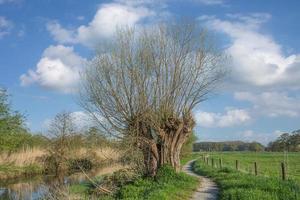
[13, 132]
[235, 185]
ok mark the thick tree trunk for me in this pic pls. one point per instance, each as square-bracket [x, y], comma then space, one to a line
[166, 149]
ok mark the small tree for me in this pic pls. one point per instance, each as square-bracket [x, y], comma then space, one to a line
[13, 132]
[60, 130]
[146, 84]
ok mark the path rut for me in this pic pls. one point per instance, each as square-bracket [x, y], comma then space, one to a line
[207, 189]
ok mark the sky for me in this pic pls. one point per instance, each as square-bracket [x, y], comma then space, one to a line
[44, 44]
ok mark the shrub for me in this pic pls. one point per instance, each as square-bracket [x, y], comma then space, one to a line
[80, 164]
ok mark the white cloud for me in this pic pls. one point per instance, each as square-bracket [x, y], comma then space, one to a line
[60, 34]
[8, 1]
[108, 17]
[272, 104]
[257, 60]
[232, 117]
[264, 138]
[58, 69]
[210, 2]
[5, 26]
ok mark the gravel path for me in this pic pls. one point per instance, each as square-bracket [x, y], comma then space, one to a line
[207, 190]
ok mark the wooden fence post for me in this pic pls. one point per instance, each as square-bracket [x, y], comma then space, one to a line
[220, 162]
[255, 168]
[237, 165]
[283, 171]
[212, 163]
[207, 160]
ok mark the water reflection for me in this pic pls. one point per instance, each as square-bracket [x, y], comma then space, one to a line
[39, 187]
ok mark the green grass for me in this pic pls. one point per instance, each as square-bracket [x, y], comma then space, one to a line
[8, 171]
[166, 185]
[268, 162]
[189, 157]
[236, 185]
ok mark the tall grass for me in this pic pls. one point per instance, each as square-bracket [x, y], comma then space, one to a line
[29, 161]
[23, 157]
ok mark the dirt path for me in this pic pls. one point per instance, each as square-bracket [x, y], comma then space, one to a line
[207, 190]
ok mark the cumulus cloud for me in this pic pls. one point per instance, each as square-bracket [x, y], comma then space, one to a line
[272, 104]
[232, 117]
[257, 59]
[58, 69]
[5, 26]
[108, 17]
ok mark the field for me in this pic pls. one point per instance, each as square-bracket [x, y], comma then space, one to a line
[235, 185]
[268, 163]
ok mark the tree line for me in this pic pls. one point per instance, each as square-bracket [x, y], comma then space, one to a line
[286, 142]
[228, 146]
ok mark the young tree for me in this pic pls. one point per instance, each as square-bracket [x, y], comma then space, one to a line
[60, 130]
[13, 132]
[146, 84]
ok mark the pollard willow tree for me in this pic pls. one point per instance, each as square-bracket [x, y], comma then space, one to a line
[146, 83]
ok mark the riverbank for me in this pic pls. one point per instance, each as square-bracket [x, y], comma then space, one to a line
[167, 185]
[35, 161]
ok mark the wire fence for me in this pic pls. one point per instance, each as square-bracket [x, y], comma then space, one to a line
[253, 167]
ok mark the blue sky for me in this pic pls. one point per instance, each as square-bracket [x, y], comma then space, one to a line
[43, 45]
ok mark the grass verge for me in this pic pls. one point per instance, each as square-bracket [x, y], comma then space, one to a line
[9, 171]
[166, 185]
[235, 185]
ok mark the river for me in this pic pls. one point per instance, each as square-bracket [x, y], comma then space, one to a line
[37, 187]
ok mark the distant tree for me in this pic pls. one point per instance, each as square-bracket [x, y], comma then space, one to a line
[286, 142]
[13, 132]
[255, 146]
[187, 147]
[61, 129]
[228, 146]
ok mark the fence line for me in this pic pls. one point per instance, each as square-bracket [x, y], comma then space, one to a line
[283, 166]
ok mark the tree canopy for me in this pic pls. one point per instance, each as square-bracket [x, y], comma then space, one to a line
[146, 83]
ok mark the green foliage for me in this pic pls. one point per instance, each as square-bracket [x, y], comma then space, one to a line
[187, 147]
[12, 129]
[8, 170]
[166, 185]
[13, 132]
[228, 146]
[235, 185]
[286, 142]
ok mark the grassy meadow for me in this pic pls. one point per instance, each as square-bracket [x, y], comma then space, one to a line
[235, 185]
[269, 163]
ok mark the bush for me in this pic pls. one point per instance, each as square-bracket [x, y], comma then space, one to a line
[80, 164]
